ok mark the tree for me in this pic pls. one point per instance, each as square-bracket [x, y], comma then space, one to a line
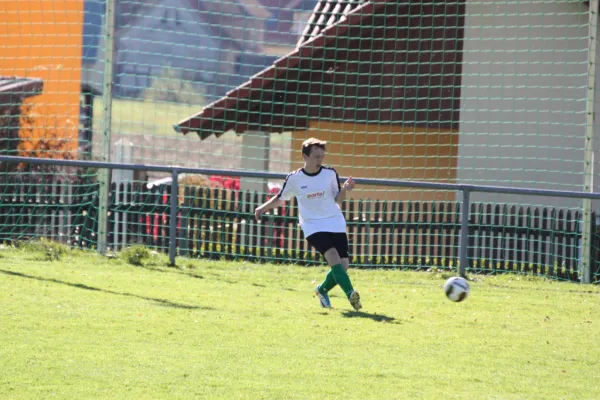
[41, 136]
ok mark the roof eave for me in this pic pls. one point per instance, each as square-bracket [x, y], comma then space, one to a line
[21, 89]
[261, 81]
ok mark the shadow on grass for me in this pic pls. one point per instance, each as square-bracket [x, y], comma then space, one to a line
[374, 317]
[162, 302]
[167, 269]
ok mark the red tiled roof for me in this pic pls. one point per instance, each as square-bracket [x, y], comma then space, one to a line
[328, 13]
[353, 66]
[216, 114]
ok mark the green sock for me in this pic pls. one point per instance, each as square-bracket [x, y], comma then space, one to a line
[342, 279]
[328, 284]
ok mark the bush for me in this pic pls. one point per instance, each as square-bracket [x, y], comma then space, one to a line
[43, 137]
[172, 87]
[135, 255]
[51, 251]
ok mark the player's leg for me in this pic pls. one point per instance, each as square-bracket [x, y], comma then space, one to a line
[354, 297]
[334, 258]
[321, 241]
[334, 246]
[341, 277]
[346, 264]
[329, 281]
[340, 241]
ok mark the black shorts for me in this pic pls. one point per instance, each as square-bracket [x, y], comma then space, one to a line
[323, 241]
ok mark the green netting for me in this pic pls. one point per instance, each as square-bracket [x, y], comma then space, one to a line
[477, 92]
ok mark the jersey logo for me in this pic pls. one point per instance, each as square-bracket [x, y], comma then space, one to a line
[315, 195]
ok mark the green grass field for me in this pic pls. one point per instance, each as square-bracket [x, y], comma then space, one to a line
[156, 118]
[152, 118]
[85, 326]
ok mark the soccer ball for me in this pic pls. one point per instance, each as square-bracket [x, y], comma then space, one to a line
[457, 289]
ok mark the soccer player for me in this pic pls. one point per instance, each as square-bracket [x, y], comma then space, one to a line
[318, 192]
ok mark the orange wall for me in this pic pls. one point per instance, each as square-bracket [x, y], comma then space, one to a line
[43, 39]
[385, 152]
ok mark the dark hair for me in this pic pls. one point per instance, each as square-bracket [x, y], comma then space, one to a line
[308, 144]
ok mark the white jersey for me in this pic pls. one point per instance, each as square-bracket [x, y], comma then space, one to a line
[315, 193]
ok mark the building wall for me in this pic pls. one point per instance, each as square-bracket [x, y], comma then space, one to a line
[43, 39]
[168, 37]
[385, 152]
[523, 97]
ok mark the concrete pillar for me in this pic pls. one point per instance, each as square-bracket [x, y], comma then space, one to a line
[123, 155]
[255, 157]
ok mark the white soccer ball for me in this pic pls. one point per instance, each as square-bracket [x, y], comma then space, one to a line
[457, 289]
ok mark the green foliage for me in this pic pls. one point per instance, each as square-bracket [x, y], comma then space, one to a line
[141, 256]
[172, 87]
[45, 249]
[135, 255]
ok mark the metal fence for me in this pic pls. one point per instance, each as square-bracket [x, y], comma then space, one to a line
[465, 219]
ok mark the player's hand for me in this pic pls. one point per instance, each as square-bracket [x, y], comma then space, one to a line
[349, 184]
[258, 213]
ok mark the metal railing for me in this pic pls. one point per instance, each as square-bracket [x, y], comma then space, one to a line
[585, 272]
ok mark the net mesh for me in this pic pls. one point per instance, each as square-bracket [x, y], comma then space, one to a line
[478, 92]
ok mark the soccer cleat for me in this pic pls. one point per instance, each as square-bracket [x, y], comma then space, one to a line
[355, 300]
[323, 298]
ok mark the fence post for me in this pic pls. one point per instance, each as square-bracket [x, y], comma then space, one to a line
[173, 220]
[588, 164]
[104, 176]
[464, 233]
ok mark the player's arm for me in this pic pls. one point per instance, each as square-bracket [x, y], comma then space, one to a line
[274, 202]
[284, 194]
[346, 187]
